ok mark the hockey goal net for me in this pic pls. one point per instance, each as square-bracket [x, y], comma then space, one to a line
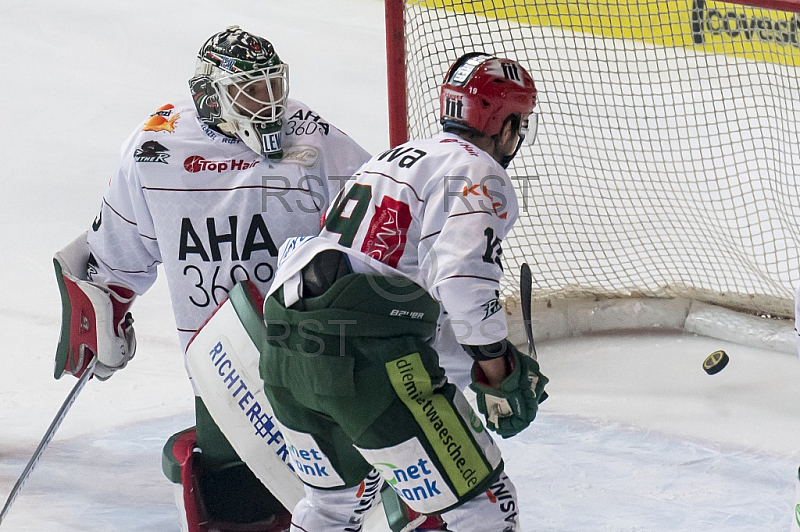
[667, 153]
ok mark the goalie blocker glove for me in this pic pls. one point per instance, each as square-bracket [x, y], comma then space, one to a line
[95, 321]
[513, 407]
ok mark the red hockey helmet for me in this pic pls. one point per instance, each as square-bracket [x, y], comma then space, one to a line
[480, 91]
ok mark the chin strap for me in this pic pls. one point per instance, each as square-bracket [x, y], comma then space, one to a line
[505, 160]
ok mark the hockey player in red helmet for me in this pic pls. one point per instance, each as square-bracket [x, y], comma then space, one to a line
[410, 258]
[481, 93]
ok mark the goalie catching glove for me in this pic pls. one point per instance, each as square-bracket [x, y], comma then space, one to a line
[511, 408]
[95, 321]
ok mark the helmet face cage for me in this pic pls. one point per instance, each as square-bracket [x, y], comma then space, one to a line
[240, 88]
[258, 95]
[252, 105]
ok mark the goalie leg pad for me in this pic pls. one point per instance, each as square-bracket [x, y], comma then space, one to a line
[222, 359]
[212, 501]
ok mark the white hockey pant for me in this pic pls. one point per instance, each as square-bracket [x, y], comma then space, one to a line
[495, 510]
[338, 510]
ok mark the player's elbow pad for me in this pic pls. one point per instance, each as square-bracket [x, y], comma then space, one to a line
[95, 321]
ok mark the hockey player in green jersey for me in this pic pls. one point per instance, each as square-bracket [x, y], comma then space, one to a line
[405, 273]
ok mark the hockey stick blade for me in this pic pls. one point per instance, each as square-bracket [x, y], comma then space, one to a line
[51, 430]
[525, 284]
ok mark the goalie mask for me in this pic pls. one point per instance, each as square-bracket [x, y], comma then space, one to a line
[240, 88]
[481, 92]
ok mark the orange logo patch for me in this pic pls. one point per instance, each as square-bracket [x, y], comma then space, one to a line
[161, 120]
[477, 190]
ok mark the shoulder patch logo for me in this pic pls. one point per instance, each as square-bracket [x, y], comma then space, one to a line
[151, 152]
[98, 221]
[302, 155]
[492, 306]
[162, 120]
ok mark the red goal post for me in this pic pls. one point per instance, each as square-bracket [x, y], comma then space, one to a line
[667, 159]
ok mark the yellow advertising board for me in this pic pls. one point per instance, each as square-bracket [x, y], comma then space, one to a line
[707, 25]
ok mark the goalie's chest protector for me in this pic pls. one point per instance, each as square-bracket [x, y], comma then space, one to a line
[220, 211]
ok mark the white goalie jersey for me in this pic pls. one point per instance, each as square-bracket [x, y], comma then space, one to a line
[209, 209]
[435, 211]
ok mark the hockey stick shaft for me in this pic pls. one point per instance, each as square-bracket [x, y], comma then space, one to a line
[525, 287]
[51, 430]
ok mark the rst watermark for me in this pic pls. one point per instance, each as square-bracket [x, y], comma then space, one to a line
[313, 337]
[313, 194]
[309, 194]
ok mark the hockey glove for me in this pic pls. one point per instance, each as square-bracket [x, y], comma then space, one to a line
[95, 321]
[511, 408]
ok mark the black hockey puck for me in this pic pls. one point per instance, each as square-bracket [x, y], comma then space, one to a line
[715, 362]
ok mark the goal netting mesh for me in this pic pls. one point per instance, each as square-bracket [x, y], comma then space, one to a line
[667, 149]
